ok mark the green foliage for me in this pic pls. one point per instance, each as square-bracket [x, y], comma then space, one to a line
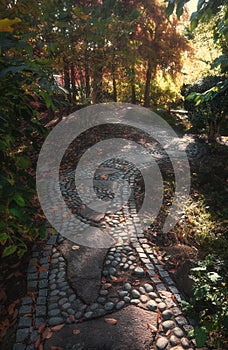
[207, 104]
[209, 304]
[20, 133]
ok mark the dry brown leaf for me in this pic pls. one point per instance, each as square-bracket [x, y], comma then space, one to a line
[42, 269]
[104, 177]
[75, 247]
[41, 347]
[103, 280]
[111, 321]
[37, 343]
[47, 333]
[11, 309]
[166, 294]
[168, 333]
[113, 278]
[15, 314]
[152, 328]
[136, 283]
[72, 318]
[159, 316]
[58, 327]
[76, 331]
[42, 328]
[116, 279]
[107, 285]
[173, 299]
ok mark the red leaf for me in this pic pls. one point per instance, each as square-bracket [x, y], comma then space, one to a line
[11, 309]
[152, 328]
[58, 327]
[37, 342]
[41, 329]
[72, 318]
[112, 321]
[47, 333]
[136, 283]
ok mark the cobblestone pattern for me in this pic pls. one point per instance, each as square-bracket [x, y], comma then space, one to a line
[53, 301]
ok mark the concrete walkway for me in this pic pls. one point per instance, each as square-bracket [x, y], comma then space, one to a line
[113, 298]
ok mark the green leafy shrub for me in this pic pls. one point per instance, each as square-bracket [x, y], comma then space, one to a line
[207, 104]
[20, 137]
[209, 304]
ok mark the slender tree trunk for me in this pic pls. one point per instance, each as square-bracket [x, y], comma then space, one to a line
[67, 79]
[147, 86]
[114, 85]
[97, 85]
[87, 78]
[114, 89]
[133, 91]
[74, 90]
[133, 94]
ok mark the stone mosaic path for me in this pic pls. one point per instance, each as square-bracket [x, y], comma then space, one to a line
[79, 287]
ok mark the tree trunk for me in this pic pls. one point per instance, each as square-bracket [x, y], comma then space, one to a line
[114, 89]
[87, 78]
[133, 91]
[214, 130]
[74, 90]
[147, 86]
[97, 85]
[133, 94]
[67, 79]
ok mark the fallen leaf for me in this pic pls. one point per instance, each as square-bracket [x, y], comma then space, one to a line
[110, 320]
[15, 314]
[168, 333]
[58, 327]
[42, 269]
[72, 318]
[151, 327]
[174, 299]
[136, 283]
[47, 333]
[11, 309]
[166, 294]
[107, 285]
[37, 342]
[75, 247]
[116, 279]
[104, 177]
[160, 260]
[113, 278]
[76, 331]
[159, 316]
[42, 328]
[103, 280]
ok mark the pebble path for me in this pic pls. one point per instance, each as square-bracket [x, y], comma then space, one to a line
[53, 301]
